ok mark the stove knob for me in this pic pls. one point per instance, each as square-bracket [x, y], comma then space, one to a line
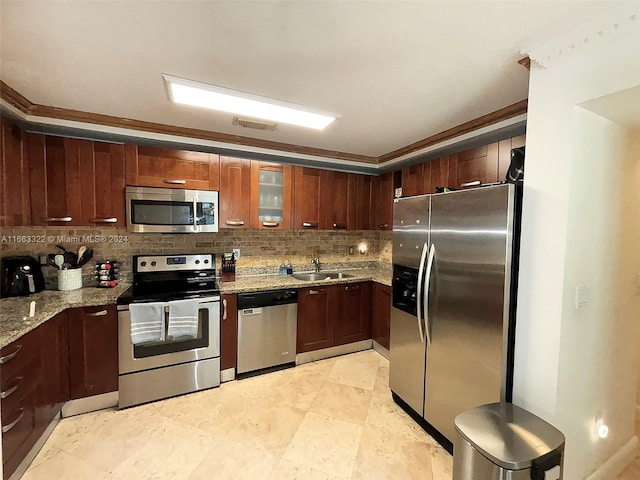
[206, 261]
[143, 264]
[197, 262]
[153, 264]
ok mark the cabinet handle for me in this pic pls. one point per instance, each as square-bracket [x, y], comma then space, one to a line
[174, 182]
[339, 225]
[310, 224]
[354, 287]
[270, 224]
[101, 313]
[224, 308]
[316, 292]
[59, 219]
[15, 386]
[6, 428]
[475, 183]
[103, 220]
[6, 358]
[383, 225]
[235, 223]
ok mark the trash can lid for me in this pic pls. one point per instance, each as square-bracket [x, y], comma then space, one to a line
[508, 435]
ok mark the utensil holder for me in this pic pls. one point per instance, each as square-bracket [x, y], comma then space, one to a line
[228, 273]
[70, 279]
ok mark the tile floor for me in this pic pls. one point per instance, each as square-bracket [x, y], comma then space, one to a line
[332, 419]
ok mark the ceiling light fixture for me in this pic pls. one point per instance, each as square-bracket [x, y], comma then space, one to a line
[188, 92]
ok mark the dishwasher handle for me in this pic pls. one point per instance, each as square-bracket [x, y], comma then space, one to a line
[267, 299]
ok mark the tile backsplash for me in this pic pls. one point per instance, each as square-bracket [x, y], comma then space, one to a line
[261, 251]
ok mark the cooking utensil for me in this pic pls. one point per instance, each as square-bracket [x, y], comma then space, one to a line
[81, 251]
[64, 250]
[71, 258]
[86, 256]
[59, 261]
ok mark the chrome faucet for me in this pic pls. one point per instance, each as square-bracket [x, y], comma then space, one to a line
[316, 262]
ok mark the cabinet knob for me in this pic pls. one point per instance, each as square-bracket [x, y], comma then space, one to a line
[11, 390]
[101, 313]
[6, 428]
[234, 223]
[270, 224]
[475, 183]
[316, 292]
[339, 225]
[383, 225]
[310, 224]
[174, 182]
[224, 308]
[59, 219]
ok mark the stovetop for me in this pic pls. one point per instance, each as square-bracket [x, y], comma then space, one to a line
[163, 278]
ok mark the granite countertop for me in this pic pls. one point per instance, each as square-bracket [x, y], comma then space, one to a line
[273, 282]
[14, 311]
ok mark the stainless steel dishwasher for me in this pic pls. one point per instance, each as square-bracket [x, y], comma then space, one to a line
[267, 323]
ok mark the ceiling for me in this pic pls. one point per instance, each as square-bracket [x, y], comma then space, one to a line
[397, 72]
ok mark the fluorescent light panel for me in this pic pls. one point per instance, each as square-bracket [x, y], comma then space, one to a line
[188, 92]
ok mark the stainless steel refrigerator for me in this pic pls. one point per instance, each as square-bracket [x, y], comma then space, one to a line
[453, 303]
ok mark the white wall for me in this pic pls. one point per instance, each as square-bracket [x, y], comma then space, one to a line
[571, 365]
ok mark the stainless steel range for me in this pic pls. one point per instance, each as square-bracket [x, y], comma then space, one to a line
[170, 364]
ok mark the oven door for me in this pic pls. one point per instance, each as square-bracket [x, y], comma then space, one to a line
[135, 358]
[165, 210]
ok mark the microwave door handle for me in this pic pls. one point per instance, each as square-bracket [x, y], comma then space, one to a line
[195, 214]
[419, 292]
[427, 281]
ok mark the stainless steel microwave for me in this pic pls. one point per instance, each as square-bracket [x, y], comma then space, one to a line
[168, 210]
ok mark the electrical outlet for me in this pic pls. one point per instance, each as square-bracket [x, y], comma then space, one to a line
[236, 253]
[351, 251]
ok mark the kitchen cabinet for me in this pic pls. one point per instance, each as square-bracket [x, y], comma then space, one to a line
[315, 321]
[382, 200]
[20, 377]
[14, 177]
[76, 182]
[340, 211]
[93, 351]
[438, 174]
[352, 312]
[381, 302]
[228, 331]
[414, 181]
[474, 167]
[307, 186]
[363, 202]
[235, 192]
[333, 315]
[162, 167]
[271, 193]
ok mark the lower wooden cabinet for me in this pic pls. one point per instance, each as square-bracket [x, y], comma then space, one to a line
[228, 331]
[333, 315]
[381, 314]
[33, 380]
[93, 351]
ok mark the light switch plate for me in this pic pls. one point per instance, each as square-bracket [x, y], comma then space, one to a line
[553, 473]
[236, 252]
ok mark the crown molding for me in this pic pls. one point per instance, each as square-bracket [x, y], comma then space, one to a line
[606, 27]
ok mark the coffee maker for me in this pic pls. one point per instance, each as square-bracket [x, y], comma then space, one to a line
[20, 276]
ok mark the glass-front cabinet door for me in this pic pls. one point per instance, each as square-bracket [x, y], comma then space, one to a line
[271, 195]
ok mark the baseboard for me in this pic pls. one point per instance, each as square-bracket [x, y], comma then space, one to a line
[333, 351]
[381, 350]
[227, 375]
[89, 404]
[617, 463]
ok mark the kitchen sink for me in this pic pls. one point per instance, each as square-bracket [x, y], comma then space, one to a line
[311, 277]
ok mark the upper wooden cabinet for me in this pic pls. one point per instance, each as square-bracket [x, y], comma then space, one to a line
[14, 180]
[438, 174]
[339, 213]
[162, 167]
[75, 182]
[382, 202]
[414, 181]
[235, 192]
[271, 192]
[307, 186]
[363, 202]
[474, 167]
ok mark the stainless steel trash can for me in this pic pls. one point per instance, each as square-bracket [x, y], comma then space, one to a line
[502, 441]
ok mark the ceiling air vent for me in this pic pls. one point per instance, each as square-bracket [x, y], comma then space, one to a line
[256, 124]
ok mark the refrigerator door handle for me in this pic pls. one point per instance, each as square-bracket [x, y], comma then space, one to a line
[419, 292]
[427, 281]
